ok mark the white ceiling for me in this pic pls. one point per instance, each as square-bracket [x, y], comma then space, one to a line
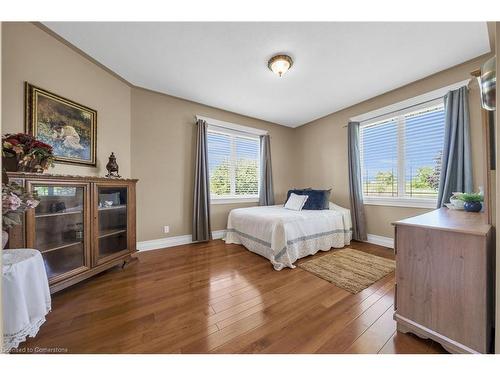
[225, 64]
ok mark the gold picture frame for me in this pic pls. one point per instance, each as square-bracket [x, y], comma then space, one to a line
[69, 127]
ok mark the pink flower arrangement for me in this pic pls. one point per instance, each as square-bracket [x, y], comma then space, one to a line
[10, 202]
[32, 203]
[15, 201]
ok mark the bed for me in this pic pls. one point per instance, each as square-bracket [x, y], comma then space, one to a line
[283, 235]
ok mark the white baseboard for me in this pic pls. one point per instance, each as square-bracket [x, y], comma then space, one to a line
[162, 243]
[380, 240]
[218, 234]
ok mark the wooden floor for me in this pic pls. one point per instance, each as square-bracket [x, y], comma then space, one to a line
[217, 298]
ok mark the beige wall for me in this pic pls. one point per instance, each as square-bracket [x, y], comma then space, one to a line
[322, 149]
[163, 148]
[30, 54]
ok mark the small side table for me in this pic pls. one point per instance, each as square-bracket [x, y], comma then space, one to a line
[26, 295]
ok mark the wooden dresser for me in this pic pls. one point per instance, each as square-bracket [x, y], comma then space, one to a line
[445, 279]
[82, 226]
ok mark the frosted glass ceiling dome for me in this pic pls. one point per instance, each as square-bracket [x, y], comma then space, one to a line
[280, 64]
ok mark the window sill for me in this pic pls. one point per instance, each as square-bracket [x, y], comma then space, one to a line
[235, 200]
[400, 202]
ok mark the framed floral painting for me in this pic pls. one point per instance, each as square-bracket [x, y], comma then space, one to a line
[70, 128]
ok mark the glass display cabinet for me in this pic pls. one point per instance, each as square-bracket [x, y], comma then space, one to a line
[82, 226]
[111, 224]
[59, 227]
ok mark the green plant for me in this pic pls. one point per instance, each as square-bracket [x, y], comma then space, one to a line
[384, 181]
[471, 197]
[246, 176]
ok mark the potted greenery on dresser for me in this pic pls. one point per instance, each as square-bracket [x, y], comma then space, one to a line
[472, 201]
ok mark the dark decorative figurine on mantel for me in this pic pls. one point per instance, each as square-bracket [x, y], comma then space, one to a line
[112, 167]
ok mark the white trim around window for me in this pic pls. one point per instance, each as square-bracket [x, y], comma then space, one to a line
[233, 132]
[400, 202]
[398, 121]
[234, 200]
[231, 126]
[393, 108]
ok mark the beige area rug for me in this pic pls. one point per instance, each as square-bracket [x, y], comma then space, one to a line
[350, 269]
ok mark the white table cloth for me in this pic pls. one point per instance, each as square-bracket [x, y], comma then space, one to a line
[26, 295]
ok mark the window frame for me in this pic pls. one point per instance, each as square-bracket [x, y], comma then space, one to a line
[233, 198]
[401, 200]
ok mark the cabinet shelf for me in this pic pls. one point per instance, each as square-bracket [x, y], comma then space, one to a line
[121, 206]
[111, 232]
[58, 214]
[47, 248]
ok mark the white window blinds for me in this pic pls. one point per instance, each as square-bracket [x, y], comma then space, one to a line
[233, 163]
[401, 153]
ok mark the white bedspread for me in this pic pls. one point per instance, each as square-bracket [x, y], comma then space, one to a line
[283, 236]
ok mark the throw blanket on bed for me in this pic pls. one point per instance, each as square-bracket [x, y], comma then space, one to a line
[283, 236]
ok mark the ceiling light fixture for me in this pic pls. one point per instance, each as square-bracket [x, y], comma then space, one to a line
[280, 64]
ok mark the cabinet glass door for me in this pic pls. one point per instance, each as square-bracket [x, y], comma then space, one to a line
[60, 228]
[112, 205]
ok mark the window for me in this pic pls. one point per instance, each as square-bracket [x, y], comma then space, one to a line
[401, 156]
[233, 163]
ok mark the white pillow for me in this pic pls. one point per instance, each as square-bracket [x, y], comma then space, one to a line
[296, 202]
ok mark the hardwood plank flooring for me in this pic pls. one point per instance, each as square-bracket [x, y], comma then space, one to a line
[217, 298]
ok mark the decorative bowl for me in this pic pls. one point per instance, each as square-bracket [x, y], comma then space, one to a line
[458, 203]
[453, 207]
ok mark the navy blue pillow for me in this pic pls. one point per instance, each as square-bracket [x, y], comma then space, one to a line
[318, 199]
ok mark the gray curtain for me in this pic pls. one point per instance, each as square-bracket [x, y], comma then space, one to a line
[456, 166]
[355, 185]
[266, 191]
[201, 199]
